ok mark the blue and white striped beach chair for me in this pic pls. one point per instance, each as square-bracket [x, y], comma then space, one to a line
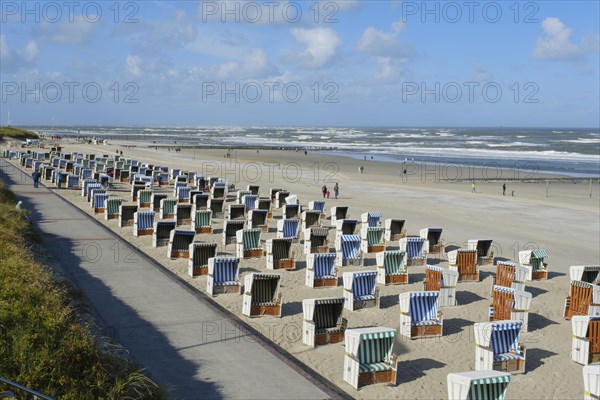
[261, 295]
[250, 201]
[100, 202]
[179, 243]
[200, 253]
[420, 315]
[478, 385]
[391, 268]
[348, 250]
[239, 196]
[321, 270]
[323, 321]
[416, 250]
[371, 219]
[223, 276]
[93, 192]
[360, 290]
[183, 194]
[88, 186]
[368, 358]
[288, 228]
[143, 223]
[73, 181]
[498, 348]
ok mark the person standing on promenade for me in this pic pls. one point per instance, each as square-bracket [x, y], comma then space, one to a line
[36, 178]
[336, 190]
[504, 189]
[324, 190]
[473, 187]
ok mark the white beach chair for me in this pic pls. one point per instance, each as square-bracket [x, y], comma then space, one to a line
[323, 321]
[480, 385]
[321, 270]
[444, 281]
[223, 276]
[391, 268]
[261, 295]
[497, 347]
[360, 290]
[510, 304]
[586, 339]
[420, 315]
[533, 260]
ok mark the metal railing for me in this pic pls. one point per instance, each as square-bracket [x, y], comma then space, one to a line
[14, 385]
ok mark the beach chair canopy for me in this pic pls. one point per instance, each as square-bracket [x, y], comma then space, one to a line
[250, 238]
[231, 227]
[362, 284]
[340, 212]
[374, 236]
[422, 307]
[482, 246]
[291, 199]
[434, 235]
[225, 271]
[394, 262]
[347, 226]
[371, 346]
[324, 264]
[326, 313]
[415, 247]
[478, 385]
[318, 206]
[181, 239]
[168, 205]
[585, 273]
[373, 218]
[202, 218]
[201, 252]
[290, 228]
[350, 246]
[281, 248]
[263, 288]
[250, 201]
[145, 220]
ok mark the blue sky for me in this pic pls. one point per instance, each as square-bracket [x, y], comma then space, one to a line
[331, 63]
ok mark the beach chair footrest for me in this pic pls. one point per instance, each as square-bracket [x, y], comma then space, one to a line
[144, 205]
[400, 279]
[373, 377]
[425, 331]
[376, 249]
[98, 210]
[539, 275]
[325, 282]
[329, 338]
[516, 365]
[260, 310]
[145, 232]
[199, 271]
[255, 253]
[179, 254]
[288, 264]
[227, 289]
[204, 229]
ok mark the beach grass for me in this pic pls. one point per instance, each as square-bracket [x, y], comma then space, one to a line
[44, 345]
[15, 133]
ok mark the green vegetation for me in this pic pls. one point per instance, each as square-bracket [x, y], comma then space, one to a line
[16, 133]
[43, 343]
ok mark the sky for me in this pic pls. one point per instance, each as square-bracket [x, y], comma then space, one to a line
[301, 63]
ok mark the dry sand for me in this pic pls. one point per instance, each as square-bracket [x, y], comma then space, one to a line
[566, 223]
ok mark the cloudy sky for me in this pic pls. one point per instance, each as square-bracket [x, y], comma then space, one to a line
[284, 63]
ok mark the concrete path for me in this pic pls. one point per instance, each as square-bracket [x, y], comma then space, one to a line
[186, 344]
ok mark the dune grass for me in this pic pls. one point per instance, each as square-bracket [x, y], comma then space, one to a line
[16, 133]
[43, 343]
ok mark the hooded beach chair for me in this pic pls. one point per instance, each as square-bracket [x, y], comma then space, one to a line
[291, 211]
[230, 229]
[175, 172]
[89, 188]
[202, 221]
[162, 232]
[264, 203]
[239, 197]
[200, 201]
[193, 194]
[434, 238]
[216, 206]
[478, 385]
[533, 260]
[143, 223]
[73, 181]
[280, 198]
[182, 178]
[261, 295]
[591, 382]
[394, 229]
[236, 212]
[391, 268]
[444, 281]
[155, 201]
[586, 339]
[348, 250]
[144, 198]
[368, 358]
[280, 254]
[258, 219]
[371, 219]
[323, 321]
[163, 179]
[179, 243]
[317, 205]
[420, 315]
[94, 192]
[85, 184]
[254, 189]
[497, 347]
[167, 208]
[112, 208]
[510, 275]
[465, 262]
[135, 188]
[372, 240]
[292, 199]
[585, 273]
[124, 176]
[126, 214]
[485, 252]
[219, 190]
[315, 240]
[183, 194]
[273, 194]
[288, 229]
[416, 249]
[321, 270]
[250, 201]
[100, 202]
[183, 213]
[200, 253]
[248, 243]
[360, 290]
[345, 227]
[311, 219]
[583, 299]
[223, 276]
[510, 304]
[338, 213]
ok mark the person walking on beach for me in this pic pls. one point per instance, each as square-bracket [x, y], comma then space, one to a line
[324, 190]
[336, 190]
[36, 178]
[361, 169]
[473, 187]
[503, 189]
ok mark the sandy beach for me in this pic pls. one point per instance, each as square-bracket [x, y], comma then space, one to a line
[560, 217]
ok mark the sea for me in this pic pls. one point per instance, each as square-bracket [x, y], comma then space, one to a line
[572, 152]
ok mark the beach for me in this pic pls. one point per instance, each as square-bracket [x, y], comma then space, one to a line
[559, 216]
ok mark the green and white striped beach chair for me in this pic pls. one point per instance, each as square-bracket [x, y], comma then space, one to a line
[478, 385]
[533, 260]
[248, 243]
[202, 221]
[391, 268]
[167, 208]
[112, 208]
[372, 240]
[369, 358]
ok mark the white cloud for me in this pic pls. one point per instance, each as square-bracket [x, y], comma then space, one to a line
[321, 46]
[69, 33]
[556, 44]
[30, 51]
[255, 65]
[133, 65]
